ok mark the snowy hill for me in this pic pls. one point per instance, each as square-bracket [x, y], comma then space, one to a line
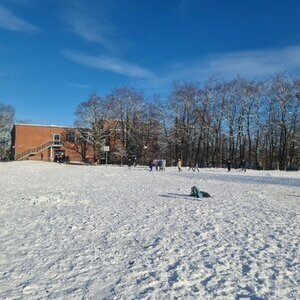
[74, 232]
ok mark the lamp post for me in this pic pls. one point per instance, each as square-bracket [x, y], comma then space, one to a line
[145, 149]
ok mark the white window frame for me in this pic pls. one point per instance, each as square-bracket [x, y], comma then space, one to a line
[56, 142]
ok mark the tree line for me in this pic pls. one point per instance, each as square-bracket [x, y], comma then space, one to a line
[208, 123]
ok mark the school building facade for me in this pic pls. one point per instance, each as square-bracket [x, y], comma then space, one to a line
[46, 142]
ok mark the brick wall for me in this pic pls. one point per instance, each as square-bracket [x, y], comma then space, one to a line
[26, 136]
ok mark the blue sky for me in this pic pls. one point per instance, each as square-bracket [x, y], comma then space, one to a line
[54, 54]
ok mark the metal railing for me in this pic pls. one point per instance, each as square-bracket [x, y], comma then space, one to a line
[36, 150]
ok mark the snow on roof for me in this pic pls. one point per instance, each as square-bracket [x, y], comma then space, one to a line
[40, 125]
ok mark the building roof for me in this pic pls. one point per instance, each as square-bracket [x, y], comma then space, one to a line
[40, 125]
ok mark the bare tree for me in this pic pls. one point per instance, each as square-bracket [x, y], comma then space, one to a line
[91, 119]
[183, 103]
[119, 152]
[6, 123]
[125, 106]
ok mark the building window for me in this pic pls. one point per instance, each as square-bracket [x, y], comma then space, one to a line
[56, 139]
[70, 136]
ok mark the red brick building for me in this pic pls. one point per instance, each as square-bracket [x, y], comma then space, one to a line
[46, 142]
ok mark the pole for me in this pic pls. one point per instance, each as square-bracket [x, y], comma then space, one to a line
[51, 154]
[106, 158]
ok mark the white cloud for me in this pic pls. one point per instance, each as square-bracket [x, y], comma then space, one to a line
[89, 31]
[89, 23]
[80, 86]
[108, 63]
[259, 64]
[10, 21]
[254, 64]
[22, 2]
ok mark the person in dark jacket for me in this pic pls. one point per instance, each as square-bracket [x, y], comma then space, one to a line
[228, 164]
[150, 165]
[243, 165]
[129, 163]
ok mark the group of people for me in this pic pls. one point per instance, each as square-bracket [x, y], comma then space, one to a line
[132, 162]
[159, 164]
[243, 165]
[195, 166]
[192, 166]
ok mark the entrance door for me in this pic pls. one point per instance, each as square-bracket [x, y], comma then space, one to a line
[56, 139]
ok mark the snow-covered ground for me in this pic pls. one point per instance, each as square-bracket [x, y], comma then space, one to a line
[91, 232]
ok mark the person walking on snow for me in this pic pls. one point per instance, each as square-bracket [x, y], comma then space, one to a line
[163, 164]
[228, 164]
[243, 165]
[129, 163]
[150, 165]
[190, 165]
[179, 165]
